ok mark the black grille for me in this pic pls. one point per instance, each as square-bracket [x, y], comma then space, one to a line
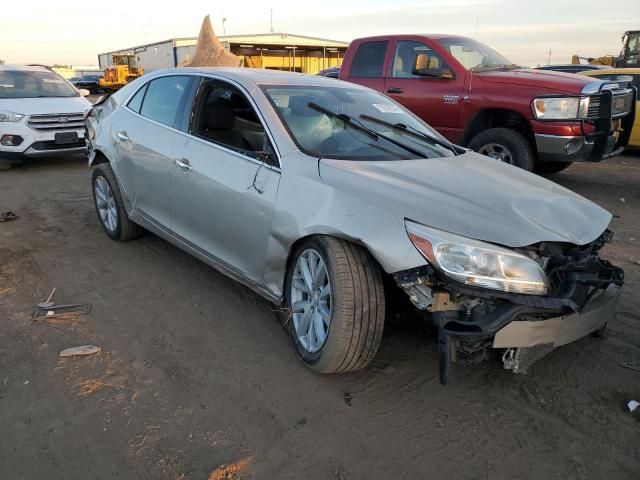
[594, 108]
[58, 122]
[621, 104]
[50, 145]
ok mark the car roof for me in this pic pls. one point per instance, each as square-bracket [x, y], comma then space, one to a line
[260, 77]
[23, 68]
[613, 71]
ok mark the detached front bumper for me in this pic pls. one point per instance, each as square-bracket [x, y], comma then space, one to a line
[560, 330]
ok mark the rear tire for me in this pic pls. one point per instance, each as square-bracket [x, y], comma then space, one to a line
[547, 168]
[115, 223]
[504, 145]
[356, 306]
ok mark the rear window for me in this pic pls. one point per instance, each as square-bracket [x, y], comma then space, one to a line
[34, 84]
[368, 60]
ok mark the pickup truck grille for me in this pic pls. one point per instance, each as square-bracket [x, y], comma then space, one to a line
[58, 122]
[594, 108]
[621, 104]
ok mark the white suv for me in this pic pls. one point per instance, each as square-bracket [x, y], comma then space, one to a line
[41, 113]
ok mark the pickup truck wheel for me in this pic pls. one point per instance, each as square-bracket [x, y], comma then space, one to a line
[550, 167]
[335, 292]
[505, 145]
[110, 207]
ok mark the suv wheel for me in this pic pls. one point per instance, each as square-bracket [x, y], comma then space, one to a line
[505, 145]
[110, 207]
[334, 290]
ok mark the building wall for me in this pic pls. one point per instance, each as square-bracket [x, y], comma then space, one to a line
[308, 57]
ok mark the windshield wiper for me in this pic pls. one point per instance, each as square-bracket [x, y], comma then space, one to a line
[367, 131]
[496, 66]
[410, 131]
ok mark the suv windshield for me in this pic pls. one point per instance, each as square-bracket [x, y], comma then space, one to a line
[353, 124]
[476, 56]
[33, 84]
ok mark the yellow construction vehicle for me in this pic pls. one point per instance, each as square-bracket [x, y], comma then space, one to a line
[123, 69]
[629, 56]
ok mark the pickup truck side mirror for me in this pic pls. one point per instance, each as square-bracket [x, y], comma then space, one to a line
[442, 73]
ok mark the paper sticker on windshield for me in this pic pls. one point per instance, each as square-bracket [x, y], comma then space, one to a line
[387, 108]
[51, 80]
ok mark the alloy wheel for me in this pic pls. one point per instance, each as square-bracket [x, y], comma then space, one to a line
[311, 300]
[497, 152]
[106, 203]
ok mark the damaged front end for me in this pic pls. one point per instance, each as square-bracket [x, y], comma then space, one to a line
[523, 301]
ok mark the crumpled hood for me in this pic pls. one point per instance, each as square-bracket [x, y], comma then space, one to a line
[543, 79]
[35, 106]
[473, 196]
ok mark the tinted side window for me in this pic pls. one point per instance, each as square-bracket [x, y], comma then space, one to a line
[369, 59]
[163, 98]
[136, 102]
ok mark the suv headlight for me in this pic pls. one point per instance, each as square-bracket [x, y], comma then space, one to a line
[561, 108]
[6, 116]
[477, 263]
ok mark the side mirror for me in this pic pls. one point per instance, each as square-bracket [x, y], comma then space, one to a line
[84, 92]
[442, 73]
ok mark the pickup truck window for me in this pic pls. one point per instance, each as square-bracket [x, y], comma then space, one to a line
[406, 54]
[475, 56]
[358, 135]
[369, 60]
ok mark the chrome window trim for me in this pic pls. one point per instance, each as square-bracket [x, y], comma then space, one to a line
[278, 168]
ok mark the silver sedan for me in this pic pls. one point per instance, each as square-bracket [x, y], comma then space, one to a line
[326, 197]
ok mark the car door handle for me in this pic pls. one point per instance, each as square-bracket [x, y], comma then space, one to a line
[122, 136]
[394, 90]
[183, 164]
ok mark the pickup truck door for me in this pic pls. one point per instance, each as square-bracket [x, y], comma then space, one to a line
[437, 101]
[368, 65]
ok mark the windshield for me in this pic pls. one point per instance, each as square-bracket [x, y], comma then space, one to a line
[350, 127]
[475, 56]
[33, 84]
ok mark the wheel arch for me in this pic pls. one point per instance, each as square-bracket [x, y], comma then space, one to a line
[499, 118]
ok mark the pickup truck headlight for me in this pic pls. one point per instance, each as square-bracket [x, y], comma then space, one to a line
[478, 263]
[561, 108]
[6, 116]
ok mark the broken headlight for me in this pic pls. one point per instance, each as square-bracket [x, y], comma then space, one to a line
[478, 263]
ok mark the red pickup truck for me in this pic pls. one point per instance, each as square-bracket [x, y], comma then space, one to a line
[534, 119]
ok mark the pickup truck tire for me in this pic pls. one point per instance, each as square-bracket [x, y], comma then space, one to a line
[550, 167]
[107, 197]
[504, 145]
[355, 305]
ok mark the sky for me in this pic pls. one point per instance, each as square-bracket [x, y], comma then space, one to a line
[522, 30]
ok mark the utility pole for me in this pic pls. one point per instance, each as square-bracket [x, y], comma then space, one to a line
[549, 62]
[271, 27]
[224, 29]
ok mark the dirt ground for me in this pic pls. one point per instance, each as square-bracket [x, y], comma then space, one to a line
[198, 380]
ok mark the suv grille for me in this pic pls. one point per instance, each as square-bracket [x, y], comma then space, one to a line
[59, 122]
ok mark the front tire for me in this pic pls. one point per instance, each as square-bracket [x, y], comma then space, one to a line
[110, 207]
[504, 145]
[335, 292]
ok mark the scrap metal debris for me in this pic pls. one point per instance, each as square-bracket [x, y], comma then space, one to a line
[56, 310]
[80, 351]
[6, 216]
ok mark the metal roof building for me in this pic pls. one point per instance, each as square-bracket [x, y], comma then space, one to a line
[278, 51]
